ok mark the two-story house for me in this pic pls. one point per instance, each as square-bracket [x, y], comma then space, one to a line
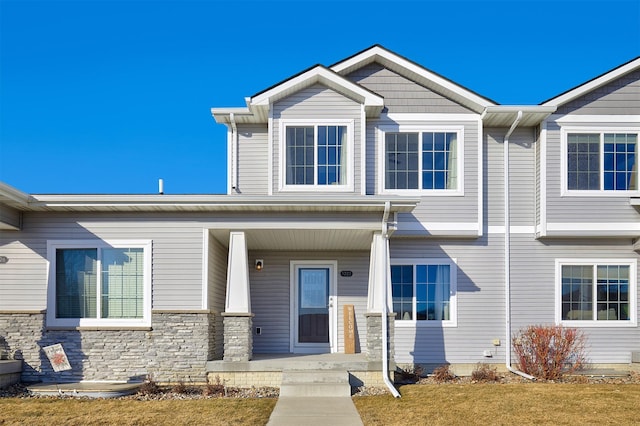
[371, 205]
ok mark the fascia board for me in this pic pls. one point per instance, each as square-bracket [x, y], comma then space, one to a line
[386, 57]
[318, 74]
[593, 84]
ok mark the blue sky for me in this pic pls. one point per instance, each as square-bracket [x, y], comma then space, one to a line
[110, 96]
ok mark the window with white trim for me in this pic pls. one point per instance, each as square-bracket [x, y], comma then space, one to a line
[601, 292]
[422, 159]
[94, 283]
[424, 290]
[601, 161]
[316, 156]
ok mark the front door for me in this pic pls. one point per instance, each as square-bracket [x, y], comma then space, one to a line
[313, 299]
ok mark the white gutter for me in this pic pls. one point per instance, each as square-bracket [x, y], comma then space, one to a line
[234, 152]
[507, 251]
[384, 315]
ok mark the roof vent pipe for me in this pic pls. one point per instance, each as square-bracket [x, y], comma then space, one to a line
[161, 186]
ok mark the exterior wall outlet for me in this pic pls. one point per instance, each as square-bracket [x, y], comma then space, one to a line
[487, 354]
[496, 342]
[258, 330]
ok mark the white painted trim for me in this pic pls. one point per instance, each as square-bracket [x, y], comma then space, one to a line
[426, 117]
[543, 179]
[599, 130]
[383, 55]
[270, 151]
[363, 150]
[481, 182]
[575, 119]
[205, 269]
[633, 293]
[438, 226]
[53, 245]
[593, 226]
[229, 160]
[348, 186]
[594, 84]
[453, 292]
[295, 347]
[420, 128]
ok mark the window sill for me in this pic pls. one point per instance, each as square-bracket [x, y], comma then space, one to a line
[600, 193]
[98, 328]
[317, 188]
[426, 324]
[424, 192]
[598, 324]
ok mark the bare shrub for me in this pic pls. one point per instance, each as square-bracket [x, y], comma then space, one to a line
[410, 374]
[549, 352]
[214, 389]
[485, 373]
[179, 387]
[443, 374]
[149, 387]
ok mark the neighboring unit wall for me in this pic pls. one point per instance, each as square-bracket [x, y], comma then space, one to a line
[253, 152]
[217, 264]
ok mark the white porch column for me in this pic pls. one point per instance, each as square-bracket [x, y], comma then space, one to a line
[238, 321]
[238, 295]
[379, 278]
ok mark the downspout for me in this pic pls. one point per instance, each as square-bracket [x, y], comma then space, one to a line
[507, 251]
[234, 152]
[384, 316]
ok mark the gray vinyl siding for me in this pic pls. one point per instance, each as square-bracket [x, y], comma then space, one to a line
[621, 96]
[569, 209]
[480, 304]
[316, 103]
[253, 167]
[522, 175]
[176, 255]
[270, 296]
[534, 293]
[217, 284]
[401, 94]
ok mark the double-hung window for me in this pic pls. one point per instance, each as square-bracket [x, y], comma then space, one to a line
[317, 156]
[427, 160]
[94, 283]
[596, 293]
[601, 161]
[424, 291]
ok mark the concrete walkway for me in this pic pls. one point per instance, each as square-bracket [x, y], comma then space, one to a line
[312, 411]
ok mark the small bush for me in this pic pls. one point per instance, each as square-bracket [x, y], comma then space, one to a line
[549, 352]
[214, 389]
[411, 373]
[485, 373]
[443, 374]
[149, 387]
[179, 387]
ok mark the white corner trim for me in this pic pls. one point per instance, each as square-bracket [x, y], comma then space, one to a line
[270, 151]
[480, 178]
[363, 150]
[543, 179]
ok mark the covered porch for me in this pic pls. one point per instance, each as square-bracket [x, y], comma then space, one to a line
[302, 292]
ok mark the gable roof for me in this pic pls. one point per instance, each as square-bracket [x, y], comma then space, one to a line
[594, 83]
[259, 104]
[415, 72]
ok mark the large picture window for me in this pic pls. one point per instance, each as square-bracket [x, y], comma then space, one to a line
[597, 291]
[316, 156]
[422, 160]
[601, 161]
[424, 291]
[99, 284]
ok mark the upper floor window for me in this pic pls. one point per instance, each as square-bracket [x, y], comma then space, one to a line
[317, 156]
[422, 160]
[601, 161]
[424, 291]
[93, 283]
[601, 292]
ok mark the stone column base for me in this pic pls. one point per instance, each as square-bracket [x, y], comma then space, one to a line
[238, 337]
[374, 336]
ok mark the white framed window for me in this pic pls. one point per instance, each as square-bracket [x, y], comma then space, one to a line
[94, 283]
[423, 160]
[316, 156]
[424, 291]
[596, 293]
[599, 161]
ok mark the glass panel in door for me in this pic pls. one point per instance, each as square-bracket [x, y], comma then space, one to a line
[313, 305]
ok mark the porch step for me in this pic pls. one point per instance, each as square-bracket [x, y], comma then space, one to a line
[302, 383]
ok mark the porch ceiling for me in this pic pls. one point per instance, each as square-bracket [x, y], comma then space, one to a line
[302, 239]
